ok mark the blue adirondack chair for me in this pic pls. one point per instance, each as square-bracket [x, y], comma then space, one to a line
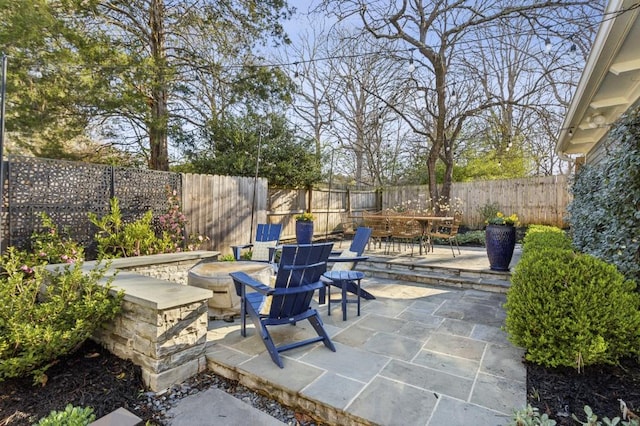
[349, 260]
[297, 279]
[267, 238]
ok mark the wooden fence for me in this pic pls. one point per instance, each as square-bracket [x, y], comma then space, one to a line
[329, 208]
[219, 207]
[537, 200]
[222, 207]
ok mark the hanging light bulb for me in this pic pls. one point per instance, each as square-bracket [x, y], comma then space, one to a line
[573, 51]
[411, 68]
[547, 45]
[454, 95]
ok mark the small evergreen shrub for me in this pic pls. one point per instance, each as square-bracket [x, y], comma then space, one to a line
[569, 309]
[539, 237]
[71, 416]
[50, 245]
[118, 239]
[46, 315]
[173, 227]
[471, 238]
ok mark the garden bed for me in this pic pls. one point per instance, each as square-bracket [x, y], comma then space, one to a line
[560, 392]
[94, 377]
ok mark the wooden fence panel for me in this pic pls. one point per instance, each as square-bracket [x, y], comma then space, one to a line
[539, 200]
[283, 205]
[220, 208]
[330, 210]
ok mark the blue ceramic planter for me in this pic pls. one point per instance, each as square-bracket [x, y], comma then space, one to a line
[500, 241]
[304, 232]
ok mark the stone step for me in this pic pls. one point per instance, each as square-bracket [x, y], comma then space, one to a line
[486, 280]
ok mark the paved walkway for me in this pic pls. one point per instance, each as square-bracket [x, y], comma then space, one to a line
[417, 355]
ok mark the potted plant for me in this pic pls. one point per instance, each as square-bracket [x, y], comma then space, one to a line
[304, 228]
[500, 236]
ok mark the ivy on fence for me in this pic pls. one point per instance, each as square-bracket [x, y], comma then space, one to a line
[605, 211]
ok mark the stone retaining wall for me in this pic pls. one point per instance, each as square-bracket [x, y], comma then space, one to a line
[175, 272]
[168, 344]
[163, 325]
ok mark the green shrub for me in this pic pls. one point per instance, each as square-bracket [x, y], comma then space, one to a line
[45, 315]
[539, 237]
[471, 238]
[569, 309]
[173, 224]
[118, 239]
[71, 416]
[488, 211]
[53, 246]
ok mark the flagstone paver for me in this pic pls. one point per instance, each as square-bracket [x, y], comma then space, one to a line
[387, 402]
[417, 355]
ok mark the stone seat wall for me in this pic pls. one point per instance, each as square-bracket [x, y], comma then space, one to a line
[162, 326]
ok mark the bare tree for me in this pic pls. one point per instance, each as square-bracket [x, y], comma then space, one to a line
[441, 31]
[314, 86]
[343, 93]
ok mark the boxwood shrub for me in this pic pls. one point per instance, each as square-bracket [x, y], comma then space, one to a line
[540, 237]
[571, 309]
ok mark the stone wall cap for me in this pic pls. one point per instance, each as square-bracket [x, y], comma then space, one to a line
[147, 291]
[155, 293]
[154, 259]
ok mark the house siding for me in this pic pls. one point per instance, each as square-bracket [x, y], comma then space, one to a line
[601, 150]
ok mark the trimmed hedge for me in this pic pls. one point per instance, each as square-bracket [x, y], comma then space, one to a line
[570, 309]
[539, 237]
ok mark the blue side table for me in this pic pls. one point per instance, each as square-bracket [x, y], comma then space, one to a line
[341, 279]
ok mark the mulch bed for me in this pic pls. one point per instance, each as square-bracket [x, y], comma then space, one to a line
[560, 392]
[92, 377]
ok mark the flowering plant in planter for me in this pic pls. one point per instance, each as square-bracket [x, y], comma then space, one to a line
[305, 217]
[501, 219]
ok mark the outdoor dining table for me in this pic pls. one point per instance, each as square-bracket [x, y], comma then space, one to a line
[425, 222]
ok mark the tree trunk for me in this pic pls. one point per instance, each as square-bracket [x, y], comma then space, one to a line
[159, 159]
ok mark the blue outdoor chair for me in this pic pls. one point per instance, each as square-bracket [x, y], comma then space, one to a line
[288, 302]
[264, 246]
[347, 260]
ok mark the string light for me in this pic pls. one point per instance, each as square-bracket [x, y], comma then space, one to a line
[573, 51]
[411, 68]
[547, 45]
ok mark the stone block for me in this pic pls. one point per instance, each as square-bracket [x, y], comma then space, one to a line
[160, 381]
